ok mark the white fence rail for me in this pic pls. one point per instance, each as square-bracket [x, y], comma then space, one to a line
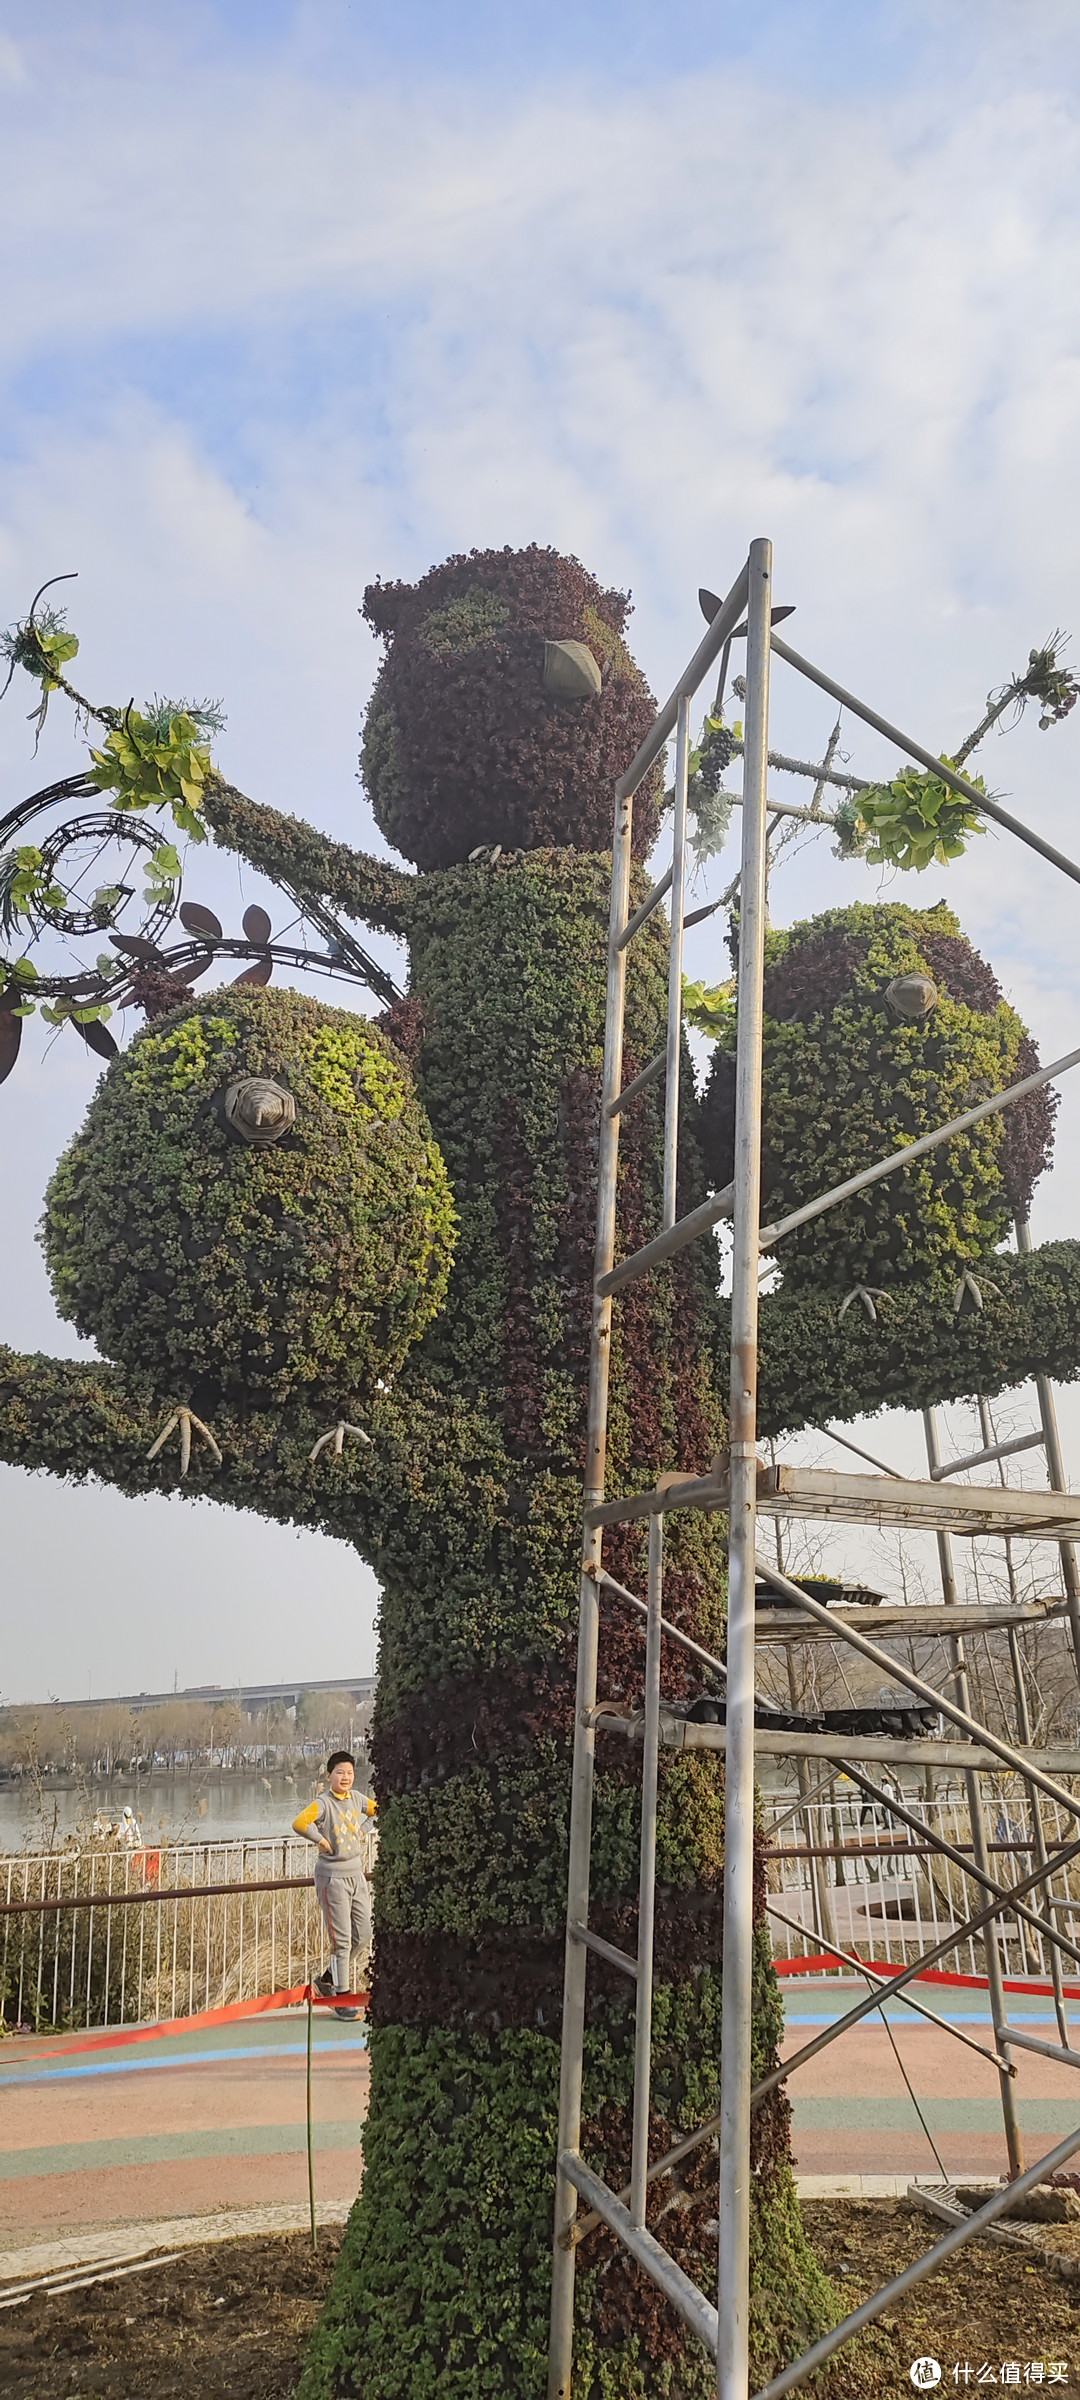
[110, 1938]
[878, 1891]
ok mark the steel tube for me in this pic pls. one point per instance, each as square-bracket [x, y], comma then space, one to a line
[924, 1691]
[975, 1874]
[918, 2270]
[675, 957]
[700, 1220]
[641, 915]
[723, 624]
[595, 1941]
[639, 2164]
[1055, 1467]
[957, 783]
[865, 1968]
[929, 1958]
[640, 1083]
[949, 1594]
[672, 1632]
[692, 2306]
[770, 1234]
[1027, 2041]
[983, 1458]
[561, 2346]
[733, 2348]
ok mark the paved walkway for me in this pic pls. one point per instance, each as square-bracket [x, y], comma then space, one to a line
[214, 2120]
[854, 2115]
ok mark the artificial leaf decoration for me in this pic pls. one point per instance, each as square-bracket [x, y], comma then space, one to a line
[10, 1038]
[133, 945]
[97, 1037]
[256, 924]
[200, 920]
[259, 973]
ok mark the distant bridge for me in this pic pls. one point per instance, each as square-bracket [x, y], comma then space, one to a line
[251, 1697]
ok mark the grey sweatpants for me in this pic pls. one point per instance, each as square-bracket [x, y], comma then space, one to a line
[344, 1896]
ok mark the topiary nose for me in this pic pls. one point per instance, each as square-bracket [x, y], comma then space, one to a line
[258, 1110]
[571, 671]
[912, 996]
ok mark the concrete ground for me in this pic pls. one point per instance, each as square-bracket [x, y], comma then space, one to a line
[213, 2120]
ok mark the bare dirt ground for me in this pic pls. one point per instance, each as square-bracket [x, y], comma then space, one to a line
[231, 2322]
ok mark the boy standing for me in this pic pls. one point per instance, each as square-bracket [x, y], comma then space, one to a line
[335, 1823]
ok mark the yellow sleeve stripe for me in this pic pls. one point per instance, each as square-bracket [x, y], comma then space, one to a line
[369, 1805]
[306, 1817]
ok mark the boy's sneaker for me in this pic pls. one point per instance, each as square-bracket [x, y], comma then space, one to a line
[346, 2012]
[325, 1984]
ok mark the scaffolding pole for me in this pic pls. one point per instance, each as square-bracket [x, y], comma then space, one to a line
[733, 2279]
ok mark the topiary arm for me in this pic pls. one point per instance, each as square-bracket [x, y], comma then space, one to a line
[814, 1368]
[81, 1421]
[307, 862]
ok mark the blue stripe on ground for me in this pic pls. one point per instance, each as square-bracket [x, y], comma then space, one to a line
[179, 2058]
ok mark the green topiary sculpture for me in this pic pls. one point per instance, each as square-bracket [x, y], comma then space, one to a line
[506, 705]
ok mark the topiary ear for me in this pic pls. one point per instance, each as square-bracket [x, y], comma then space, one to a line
[382, 606]
[614, 607]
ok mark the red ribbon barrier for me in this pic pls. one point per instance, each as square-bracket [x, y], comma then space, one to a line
[263, 2006]
[976, 1983]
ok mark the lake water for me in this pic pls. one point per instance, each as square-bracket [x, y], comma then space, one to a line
[176, 1809]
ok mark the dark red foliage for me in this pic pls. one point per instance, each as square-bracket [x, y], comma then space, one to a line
[475, 1720]
[482, 752]
[514, 1976]
[811, 978]
[156, 992]
[403, 1024]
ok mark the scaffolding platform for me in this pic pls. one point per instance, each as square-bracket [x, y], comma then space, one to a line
[920, 1622]
[875, 1501]
[862, 1750]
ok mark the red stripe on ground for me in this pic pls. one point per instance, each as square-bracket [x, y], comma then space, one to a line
[209, 2017]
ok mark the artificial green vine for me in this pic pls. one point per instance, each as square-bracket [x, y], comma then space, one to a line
[911, 822]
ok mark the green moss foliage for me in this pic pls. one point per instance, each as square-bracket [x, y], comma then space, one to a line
[222, 1267]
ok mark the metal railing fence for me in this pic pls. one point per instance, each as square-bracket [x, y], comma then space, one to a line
[93, 1939]
[854, 1876]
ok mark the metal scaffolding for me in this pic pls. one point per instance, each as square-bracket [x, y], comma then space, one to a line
[743, 1487]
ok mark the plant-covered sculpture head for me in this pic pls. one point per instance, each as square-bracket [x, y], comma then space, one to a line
[507, 706]
[881, 1023]
[255, 1208]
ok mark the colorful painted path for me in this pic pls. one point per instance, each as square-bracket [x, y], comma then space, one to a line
[208, 2120]
[213, 2119]
[854, 2115]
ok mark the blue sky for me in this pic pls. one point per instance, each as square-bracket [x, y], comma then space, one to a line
[296, 295]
